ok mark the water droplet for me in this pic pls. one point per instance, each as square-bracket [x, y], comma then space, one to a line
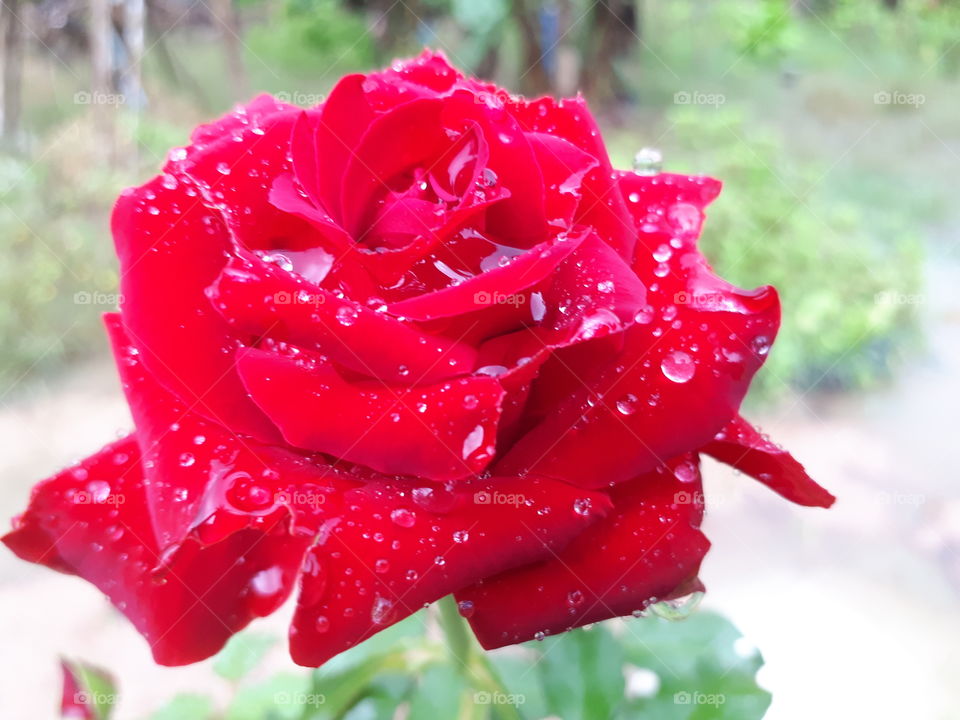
[575, 598]
[627, 405]
[582, 506]
[685, 472]
[760, 345]
[465, 608]
[381, 565]
[461, 536]
[470, 402]
[403, 517]
[267, 583]
[381, 610]
[223, 168]
[678, 366]
[539, 635]
[322, 623]
[648, 161]
[187, 459]
[346, 315]
[679, 608]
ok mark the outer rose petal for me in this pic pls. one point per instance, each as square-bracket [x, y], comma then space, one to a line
[91, 520]
[660, 397]
[441, 432]
[644, 550]
[171, 248]
[265, 300]
[685, 366]
[402, 546]
[602, 205]
[742, 446]
[234, 175]
[203, 481]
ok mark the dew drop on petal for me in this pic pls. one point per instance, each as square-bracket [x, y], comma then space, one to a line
[403, 517]
[678, 366]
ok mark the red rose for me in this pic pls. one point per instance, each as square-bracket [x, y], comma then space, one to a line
[420, 339]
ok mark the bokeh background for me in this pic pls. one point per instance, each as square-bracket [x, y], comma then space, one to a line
[834, 126]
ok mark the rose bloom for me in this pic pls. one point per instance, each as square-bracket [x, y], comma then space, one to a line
[419, 339]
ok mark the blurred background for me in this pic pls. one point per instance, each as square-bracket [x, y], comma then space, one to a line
[834, 127]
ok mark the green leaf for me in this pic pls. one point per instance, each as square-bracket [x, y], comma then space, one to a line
[186, 706]
[438, 694]
[704, 667]
[96, 686]
[581, 672]
[282, 697]
[242, 654]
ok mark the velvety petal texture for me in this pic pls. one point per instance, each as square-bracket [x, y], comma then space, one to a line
[418, 340]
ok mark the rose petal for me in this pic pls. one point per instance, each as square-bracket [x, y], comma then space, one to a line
[742, 446]
[602, 205]
[494, 287]
[402, 546]
[92, 520]
[171, 248]
[564, 166]
[203, 481]
[234, 175]
[442, 431]
[260, 298]
[648, 546]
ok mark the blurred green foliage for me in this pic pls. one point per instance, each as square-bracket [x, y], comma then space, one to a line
[700, 667]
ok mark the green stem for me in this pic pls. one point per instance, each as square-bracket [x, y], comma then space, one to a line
[471, 660]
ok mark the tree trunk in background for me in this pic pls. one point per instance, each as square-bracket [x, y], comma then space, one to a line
[12, 70]
[566, 79]
[534, 78]
[133, 34]
[613, 34]
[226, 15]
[101, 61]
